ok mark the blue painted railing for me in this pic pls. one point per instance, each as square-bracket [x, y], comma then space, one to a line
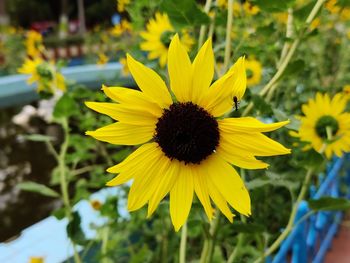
[14, 89]
[311, 238]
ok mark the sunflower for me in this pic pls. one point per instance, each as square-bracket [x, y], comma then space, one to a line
[186, 147]
[34, 44]
[44, 73]
[102, 59]
[121, 4]
[325, 125]
[346, 91]
[254, 71]
[158, 36]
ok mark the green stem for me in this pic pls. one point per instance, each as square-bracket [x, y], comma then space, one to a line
[182, 258]
[203, 28]
[63, 180]
[208, 247]
[228, 34]
[289, 226]
[236, 250]
[104, 246]
[285, 61]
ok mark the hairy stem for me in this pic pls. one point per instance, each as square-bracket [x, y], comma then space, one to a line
[203, 28]
[182, 258]
[228, 34]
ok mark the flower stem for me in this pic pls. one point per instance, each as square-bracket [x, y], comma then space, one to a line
[182, 258]
[290, 224]
[285, 61]
[63, 180]
[208, 247]
[228, 34]
[203, 28]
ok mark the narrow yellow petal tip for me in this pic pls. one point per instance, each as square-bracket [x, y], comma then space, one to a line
[104, 87]
[89, 133]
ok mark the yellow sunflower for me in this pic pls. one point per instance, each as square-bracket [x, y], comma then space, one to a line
[121, 4]
[158, 36]
[186, 145]
[34, 44]
[102, 59]
[346, 91]
[44, 73]
[254, 71]
[325, 125]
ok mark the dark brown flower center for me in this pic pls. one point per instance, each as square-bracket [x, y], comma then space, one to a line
[186, 132]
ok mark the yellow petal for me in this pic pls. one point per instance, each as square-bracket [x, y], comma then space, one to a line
[256, 144]
[124, 113]
[202, 192]
[165, 183]
[231, 155]
[120, 179]
[135, 158]
[181, 196]
[248, 124]
[149, 82]
[146, 180]
[219, 98]
[132, 97]
[123, 134]
[180, 70]
[219, 200]
[239, 78]
[229, 183]
[203, 71]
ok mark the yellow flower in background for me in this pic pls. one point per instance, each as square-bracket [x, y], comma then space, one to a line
[237, 8]
[46, 74]
[121, 28]
[125, 69]
[315, 23]
[254, 71]
[158, 36]
[250, 9]
[36, 260]
[102, 59]
[282, 17]
[184, 147]
[346, 91]
[331, 6]
[345, 14]
[96, 204]
[325, 125]
[34, 44]
[121, 4]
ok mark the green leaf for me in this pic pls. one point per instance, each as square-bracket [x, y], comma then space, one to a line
[259, 182]
[38, 188]
[74, 230]
[184, 12]
[261, 105]
[65, 107]
[38, 138]
[294, 67]
[241, 227]
[329, 204]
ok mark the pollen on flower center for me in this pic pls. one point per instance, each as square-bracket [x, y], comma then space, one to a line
[324, 122]
[187, 132]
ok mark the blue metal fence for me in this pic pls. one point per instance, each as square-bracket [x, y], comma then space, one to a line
[311, 238]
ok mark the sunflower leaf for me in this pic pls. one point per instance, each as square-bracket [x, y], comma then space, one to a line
[37, 188]
[329, 204]
[184, 12]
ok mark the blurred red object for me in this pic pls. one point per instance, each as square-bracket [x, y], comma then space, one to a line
[43, 27]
